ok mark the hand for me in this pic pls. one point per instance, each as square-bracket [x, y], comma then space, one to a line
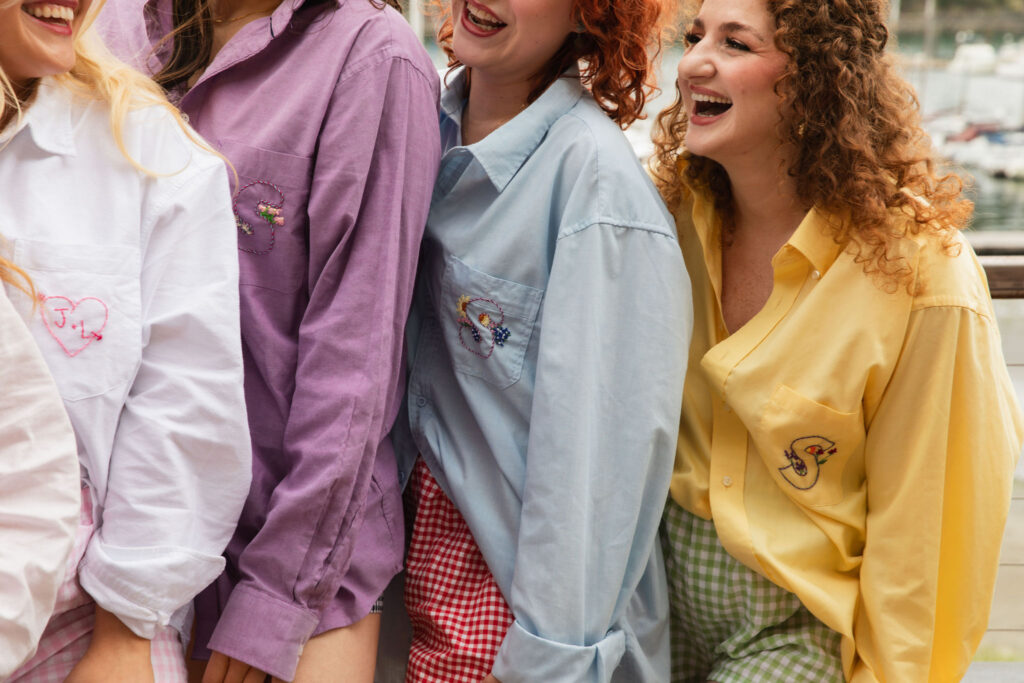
[224, 669]
[115, 654]
[490, 679]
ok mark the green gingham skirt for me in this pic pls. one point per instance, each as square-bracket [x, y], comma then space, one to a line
[729, 623]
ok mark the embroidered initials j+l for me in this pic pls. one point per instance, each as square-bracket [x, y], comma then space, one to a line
[74, 324]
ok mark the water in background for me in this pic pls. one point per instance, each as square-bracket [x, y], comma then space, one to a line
[999, 203]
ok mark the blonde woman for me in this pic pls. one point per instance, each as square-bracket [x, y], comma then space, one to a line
[38, 486]
[124, 225]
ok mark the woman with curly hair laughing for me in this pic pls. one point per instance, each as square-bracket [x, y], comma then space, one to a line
[848, 431]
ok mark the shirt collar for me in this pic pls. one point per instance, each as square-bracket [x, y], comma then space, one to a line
[812, 238]
[504, 151]
[160, 19]
[48, 120]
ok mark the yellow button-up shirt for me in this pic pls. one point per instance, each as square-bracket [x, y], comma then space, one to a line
[855, 445]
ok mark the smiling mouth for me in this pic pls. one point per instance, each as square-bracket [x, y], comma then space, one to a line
[51, 14]
[483, 19]
[709, 105]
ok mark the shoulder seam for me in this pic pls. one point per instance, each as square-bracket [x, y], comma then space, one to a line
[606, 222]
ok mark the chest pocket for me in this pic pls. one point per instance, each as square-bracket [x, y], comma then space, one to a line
[87, 318]
[270, 205]
[487, 322]
[809, 448]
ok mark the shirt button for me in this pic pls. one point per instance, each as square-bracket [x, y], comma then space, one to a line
[184, 117]
[727, 481]
[420, 401]
[816, 274]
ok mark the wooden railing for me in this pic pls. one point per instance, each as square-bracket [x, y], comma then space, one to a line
[1002, 255]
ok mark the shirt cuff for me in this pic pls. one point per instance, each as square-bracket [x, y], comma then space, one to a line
[242, 631]
[527, 658]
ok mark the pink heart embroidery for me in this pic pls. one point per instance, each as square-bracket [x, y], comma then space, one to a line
[74, 324]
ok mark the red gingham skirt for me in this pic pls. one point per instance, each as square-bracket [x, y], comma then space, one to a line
[69, 631]
[458, 614]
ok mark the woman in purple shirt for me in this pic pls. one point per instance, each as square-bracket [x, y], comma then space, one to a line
[327, 109]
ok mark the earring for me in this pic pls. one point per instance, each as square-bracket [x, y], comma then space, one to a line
[801, 129]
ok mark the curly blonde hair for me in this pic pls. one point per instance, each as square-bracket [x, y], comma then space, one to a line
[618, 42]
[854, 123]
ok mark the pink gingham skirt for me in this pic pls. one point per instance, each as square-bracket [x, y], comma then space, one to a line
[69, 631]
[459, 617]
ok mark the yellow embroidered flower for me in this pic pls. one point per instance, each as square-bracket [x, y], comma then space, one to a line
[463, 302]
[485, 320]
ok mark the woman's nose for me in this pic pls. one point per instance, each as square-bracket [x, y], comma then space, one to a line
[696, 63]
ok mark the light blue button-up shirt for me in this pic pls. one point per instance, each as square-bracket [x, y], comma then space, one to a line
[548, 343]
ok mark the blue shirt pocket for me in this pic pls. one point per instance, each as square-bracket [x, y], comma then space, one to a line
[487, 322]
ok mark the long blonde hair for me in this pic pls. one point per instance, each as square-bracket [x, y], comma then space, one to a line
[98, 75]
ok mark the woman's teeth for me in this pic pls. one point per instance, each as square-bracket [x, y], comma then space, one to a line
[482, 18]
[709, 105]
[58, 12]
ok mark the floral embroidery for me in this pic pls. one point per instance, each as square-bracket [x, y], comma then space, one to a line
[806, 455]
[269, 210]
[499, 333]
[74, 324]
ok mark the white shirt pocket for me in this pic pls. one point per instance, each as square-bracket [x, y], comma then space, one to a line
[87, 315]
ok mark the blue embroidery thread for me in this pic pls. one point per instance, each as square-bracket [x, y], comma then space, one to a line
[499, 333]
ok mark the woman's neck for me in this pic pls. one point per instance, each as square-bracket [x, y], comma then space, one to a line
[490, 106]
[24, 92]
[765, 199]
[230, 16]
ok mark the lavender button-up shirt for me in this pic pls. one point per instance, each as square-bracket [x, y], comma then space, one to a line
[328, 112]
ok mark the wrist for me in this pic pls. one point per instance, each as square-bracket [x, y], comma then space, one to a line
[111, 632]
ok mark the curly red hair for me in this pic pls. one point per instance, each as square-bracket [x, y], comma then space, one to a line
[855, 125]
[615, 47]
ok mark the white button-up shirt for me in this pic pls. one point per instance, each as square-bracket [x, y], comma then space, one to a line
[38, 491]
[137, 318]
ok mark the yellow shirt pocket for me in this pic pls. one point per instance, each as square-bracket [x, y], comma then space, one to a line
[808, 447]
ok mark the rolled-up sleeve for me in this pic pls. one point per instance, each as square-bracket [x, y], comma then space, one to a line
[377, 158]
[39, 484]
[615, 328]
[181, 461]
[940, 453]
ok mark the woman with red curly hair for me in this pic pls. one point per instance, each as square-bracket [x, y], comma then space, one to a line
[547, 340]
[848, 430]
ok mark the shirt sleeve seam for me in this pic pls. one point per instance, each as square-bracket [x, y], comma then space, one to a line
[656, 229]
[950, 302]
[387, 55]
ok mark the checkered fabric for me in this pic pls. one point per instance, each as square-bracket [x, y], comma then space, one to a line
[458, 614]
[729, 623]
[69, 631]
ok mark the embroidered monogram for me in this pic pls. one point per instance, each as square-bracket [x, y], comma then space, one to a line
[270, 211]
[806, 455]
[499, 334]
[74, 324]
